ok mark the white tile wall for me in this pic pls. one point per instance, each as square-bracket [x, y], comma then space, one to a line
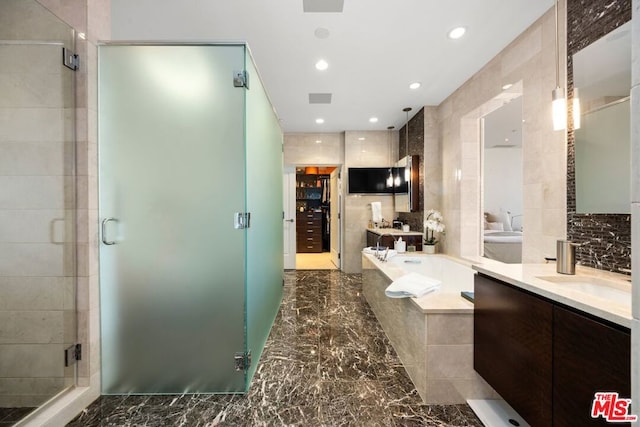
[635, 141]
[635, 207]
[528, 63]
[635, 366]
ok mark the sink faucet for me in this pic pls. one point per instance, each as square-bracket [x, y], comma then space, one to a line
[378, 255]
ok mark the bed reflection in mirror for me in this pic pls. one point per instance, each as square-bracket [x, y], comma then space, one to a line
[502, 182]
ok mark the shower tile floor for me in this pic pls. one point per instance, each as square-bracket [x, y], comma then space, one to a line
[327, 362]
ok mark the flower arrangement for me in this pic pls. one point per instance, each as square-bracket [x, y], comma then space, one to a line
[432, 224]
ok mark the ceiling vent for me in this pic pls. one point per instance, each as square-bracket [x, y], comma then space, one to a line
[319, 98]
[322, 6]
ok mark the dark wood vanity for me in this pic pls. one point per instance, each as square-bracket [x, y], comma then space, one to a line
[545, 359]
[412, 238]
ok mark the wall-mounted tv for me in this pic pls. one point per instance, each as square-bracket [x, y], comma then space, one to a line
[369, 181]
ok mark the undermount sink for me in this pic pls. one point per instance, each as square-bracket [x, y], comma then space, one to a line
[593, 286]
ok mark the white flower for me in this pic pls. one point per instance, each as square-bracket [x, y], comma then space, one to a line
[433, 221]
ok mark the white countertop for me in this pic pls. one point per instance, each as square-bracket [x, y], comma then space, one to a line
[394, 232]
[527, 277]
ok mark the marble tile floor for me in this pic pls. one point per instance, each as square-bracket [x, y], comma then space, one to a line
[327, 362]
[9, 416]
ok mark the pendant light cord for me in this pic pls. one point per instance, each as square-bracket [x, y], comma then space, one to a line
[557, 48]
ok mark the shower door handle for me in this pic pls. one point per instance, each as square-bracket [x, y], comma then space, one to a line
[104, 231]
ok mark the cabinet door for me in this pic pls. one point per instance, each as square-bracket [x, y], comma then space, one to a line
[589, 356]
[513, 347]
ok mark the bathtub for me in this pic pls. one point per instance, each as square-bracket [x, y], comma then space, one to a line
[433, 334]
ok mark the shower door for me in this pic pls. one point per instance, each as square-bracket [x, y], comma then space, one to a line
[37, 208]
[172, 178]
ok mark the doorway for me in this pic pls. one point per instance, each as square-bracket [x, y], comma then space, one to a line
[312, 228]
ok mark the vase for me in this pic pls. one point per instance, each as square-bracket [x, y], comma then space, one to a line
[429, 249]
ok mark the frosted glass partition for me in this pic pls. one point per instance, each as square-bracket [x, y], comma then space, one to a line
[172, 175]
[265, 262]
[37, 208]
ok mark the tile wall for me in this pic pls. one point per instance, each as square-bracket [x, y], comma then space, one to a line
[530, 61]
[635, 204]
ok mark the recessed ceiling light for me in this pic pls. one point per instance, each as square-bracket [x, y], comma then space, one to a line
[361, 138]
[373, 120]
[507, 86]
[319, 121]
[318, 141]
[457, 32]
[321, 33]
[415, 85]
[322, 65]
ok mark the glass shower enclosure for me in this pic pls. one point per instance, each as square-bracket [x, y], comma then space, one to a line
[191, 268]
[37, 208]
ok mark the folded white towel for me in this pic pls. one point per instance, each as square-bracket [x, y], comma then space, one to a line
[371, 250]
[376, 211]
[412, 285]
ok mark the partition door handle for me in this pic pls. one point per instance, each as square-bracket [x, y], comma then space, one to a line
[289, 220]
[104, 231]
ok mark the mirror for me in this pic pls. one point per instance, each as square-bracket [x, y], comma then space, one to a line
[502, 180]
[405, 182]
[602, 75]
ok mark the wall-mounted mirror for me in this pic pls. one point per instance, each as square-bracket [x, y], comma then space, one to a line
[502, 181]
[602, 75]
[405, 172]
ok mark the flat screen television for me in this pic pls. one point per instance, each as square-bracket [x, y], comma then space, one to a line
[369, 181]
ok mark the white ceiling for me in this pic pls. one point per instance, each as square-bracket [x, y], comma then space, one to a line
[375, 49]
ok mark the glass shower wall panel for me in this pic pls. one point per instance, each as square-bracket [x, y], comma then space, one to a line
[264, 201]
[37, 205]
[171, 178]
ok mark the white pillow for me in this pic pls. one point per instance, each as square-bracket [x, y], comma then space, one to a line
[496, 226]
[505, 217]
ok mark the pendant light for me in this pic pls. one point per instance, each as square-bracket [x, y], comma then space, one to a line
[390, 178]
[406, 144]
[558, 103]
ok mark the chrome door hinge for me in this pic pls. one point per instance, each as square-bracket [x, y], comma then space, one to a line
[242, 220]
[70, 59]
[242, 360]
[241, 79]
[72, 354]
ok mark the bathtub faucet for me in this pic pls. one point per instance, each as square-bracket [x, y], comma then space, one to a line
[378, 254]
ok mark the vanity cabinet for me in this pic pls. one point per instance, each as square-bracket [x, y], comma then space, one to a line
[309, 231]
[545, 359]
[589, 356]
[411, 239]
[512, 338]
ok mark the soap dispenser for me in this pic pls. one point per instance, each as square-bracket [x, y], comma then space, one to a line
[400, 245]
